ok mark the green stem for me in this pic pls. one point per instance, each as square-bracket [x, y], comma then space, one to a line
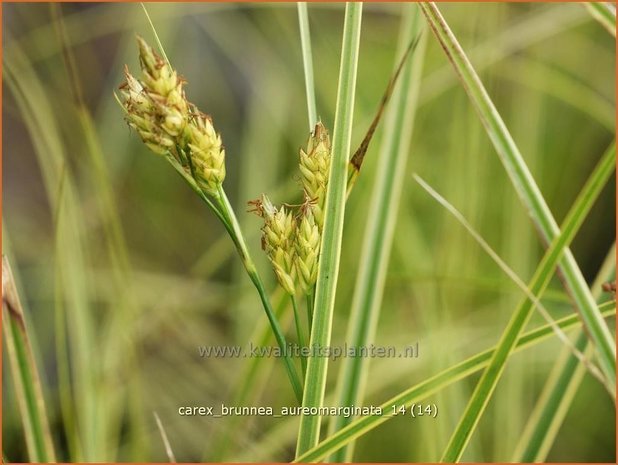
[25, 373]
[380, 228]
[299, 334]
[248, 385]
[231, 223]
[305, 41]
[214, 207]
[328, 268]
[309, 297]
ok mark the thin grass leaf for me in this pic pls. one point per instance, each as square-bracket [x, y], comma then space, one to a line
[156, 36]
[357, 159]
[489, 380]
[526, 188]
[605, 14]
[166, 442]
[315, 381]
[305, 42]
[35, 107]
[559, 391]
[25, 372]
[380, 227]
[435, 384]
[594, 371]
[126, 309]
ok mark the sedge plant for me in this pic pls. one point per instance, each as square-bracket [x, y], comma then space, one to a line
[302, 238]
[156, 107]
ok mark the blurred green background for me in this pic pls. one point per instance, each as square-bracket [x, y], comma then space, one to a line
[124, 272]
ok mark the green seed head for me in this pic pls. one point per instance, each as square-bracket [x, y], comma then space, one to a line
[169, 124]
[278, 237]
[156, 105]
[314, 168]
[206, 153]
[307, 250]
[157, 75]
[142, 115]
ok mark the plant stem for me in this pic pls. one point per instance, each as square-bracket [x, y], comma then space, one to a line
[25, 373]
[233, 227]
[309, 297]
[299, 334]
[305, 42]
[328, 270]
[248, 385]
[380, 227]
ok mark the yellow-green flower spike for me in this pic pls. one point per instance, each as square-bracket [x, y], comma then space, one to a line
[307, 250]
[141, 114]
[206, 152]
[314, 167]
[278, 237]
[156, 107]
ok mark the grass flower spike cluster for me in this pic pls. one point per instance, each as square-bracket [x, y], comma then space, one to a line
[169, 124]
[314, 166]
[291, 239]
[207, 159]
[279, 233]
[157, 108]
[292, 242]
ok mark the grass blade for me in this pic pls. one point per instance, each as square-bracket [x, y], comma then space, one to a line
[526, 188]
[357, 159]
[166, 442]
[25, 373]
[156, 36]
[305, 42]
[487, 384]
[380, 228]
[315, 381]
[594, 371]
[74, 284]
[557, 395]
[127, 310]
[605, 14]
[434, 384]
